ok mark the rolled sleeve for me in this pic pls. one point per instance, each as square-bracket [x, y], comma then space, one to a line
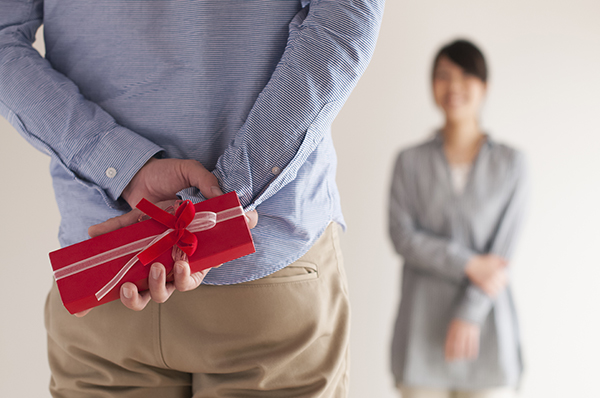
[49, 111]
[330, 45]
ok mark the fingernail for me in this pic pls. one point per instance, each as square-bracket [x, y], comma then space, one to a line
[179, 267]
[127, 293]
[155, 272]
[216, 190]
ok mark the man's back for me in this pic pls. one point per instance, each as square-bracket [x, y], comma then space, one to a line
[183, 74]
[180, 79]
[247, 89]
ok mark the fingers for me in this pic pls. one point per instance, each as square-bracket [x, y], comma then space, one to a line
[82, 313]
[185, 280]
[160, 290]
[455, 343]
[114, 223]
[252, 218]
[472, 345]
[497, 260]
[161, 179]
[132, 299]
[199, 177]
[495, 283]
[215, 191]
[469, 345]
[450, 348]
[488, 272]
[126, 219]
[462, 341]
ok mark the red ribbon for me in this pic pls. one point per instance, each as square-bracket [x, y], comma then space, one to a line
[180, 236]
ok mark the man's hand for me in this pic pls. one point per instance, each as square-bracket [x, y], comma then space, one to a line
[159, 289]
[161, 179]
[488, 272]
[462, 341]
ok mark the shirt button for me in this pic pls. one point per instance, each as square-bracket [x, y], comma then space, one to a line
[111, 172]
[275, 170]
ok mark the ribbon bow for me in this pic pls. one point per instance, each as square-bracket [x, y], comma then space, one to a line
[179, 235]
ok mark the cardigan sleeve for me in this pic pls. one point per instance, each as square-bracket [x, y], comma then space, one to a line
[436, 254]
[50, 112]
[475, 304]
[329, 46]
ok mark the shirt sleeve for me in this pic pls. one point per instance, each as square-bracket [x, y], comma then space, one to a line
[435, 254]
[475, 304]
[48, 110]
[329, 46]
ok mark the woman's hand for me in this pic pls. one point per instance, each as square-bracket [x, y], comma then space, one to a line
[488, 272]
[462, 341]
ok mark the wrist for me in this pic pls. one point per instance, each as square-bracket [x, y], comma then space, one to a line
[472, 266]
[465, 322]
[136, 189]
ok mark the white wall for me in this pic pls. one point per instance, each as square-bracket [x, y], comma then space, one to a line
[544, 58]
[29, 218]
[544, 92]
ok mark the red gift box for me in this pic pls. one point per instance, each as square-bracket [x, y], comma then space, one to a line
[90, 273]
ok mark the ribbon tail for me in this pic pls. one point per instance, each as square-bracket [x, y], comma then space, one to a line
[160, 246]
[156, 213]
[188, 243]
[115, 281]
[121, 274]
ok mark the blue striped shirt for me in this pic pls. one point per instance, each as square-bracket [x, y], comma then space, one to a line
[248, 88]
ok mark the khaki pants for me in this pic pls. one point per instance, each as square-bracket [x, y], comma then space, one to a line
[285, 335]
[417, 392]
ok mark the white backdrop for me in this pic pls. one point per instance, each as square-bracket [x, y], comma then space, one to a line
[544, 58]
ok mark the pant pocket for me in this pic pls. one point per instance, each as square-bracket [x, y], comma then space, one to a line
[298, 271]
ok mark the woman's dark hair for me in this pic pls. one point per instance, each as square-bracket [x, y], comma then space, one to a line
[466, 55]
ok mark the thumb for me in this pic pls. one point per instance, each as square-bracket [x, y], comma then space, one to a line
[216, 191]
[204, 180]
[252, 218]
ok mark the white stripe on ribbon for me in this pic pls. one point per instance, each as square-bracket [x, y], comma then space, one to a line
[202, 221]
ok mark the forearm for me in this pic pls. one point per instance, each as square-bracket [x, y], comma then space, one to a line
[437, 255]
[328, 49]
[476, 304]
[49, 111]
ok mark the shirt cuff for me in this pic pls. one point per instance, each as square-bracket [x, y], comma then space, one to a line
[475, 306]
[459, 257]
[192, 194]
[114, 160]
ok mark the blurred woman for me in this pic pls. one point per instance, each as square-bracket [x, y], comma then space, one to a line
[456, 206]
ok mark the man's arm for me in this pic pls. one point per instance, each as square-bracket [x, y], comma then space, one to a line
[329, 46]
[49, 111]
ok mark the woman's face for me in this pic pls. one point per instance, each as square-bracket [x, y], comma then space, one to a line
[458, 94]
